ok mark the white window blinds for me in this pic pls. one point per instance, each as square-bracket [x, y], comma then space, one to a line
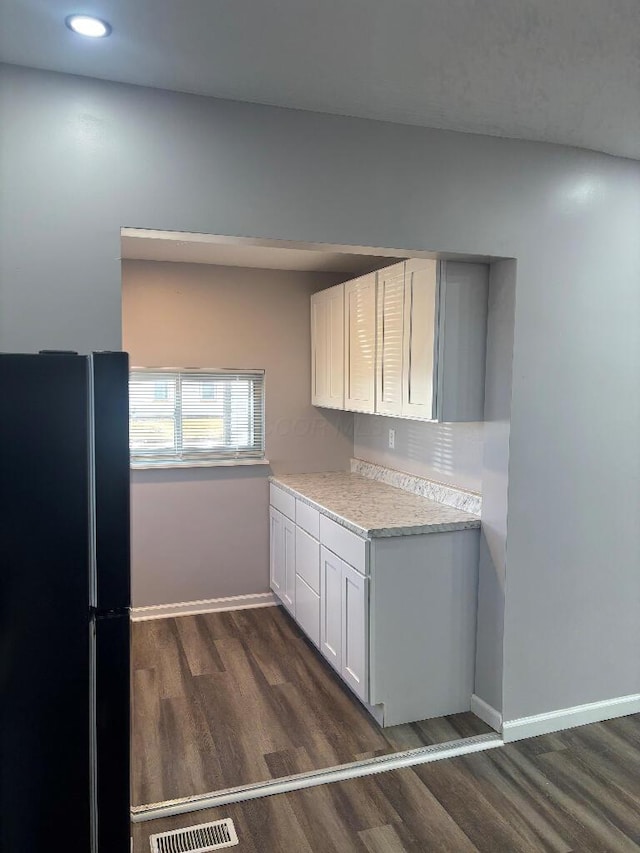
[177, 417]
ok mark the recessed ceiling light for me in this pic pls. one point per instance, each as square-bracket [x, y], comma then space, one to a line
[87, 25]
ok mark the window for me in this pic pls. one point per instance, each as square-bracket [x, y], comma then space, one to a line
[195, 416]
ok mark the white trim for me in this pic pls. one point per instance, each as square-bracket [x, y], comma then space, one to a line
[356, 769]
[207, 605]
[192, 463]
[568, 718]
[487, 713]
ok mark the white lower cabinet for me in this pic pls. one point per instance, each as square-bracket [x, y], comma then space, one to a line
[394, 616]
[355, 631]
[330, 608]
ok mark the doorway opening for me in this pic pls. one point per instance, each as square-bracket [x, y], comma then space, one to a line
[233, 692]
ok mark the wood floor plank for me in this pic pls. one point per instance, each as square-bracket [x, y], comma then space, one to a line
[422, 814]
[582, 829]
[277, 827]
[288, 762]
[382, 839]
[456, 791]
[147, 751]
[144, 651]
[220, 625]
[202, 655]
[615, 811]
[608, 749]
[507, 791]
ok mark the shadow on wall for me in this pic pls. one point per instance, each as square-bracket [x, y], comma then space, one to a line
[442, 455]
[449, 452]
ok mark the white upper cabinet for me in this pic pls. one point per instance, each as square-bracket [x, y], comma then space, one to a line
[327, 348]
[419, 340]
[360, 343]
[390, 342]
[414, 342]
[406, 340]
[431, 331]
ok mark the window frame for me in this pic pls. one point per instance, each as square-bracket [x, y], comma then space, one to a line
[205, 457]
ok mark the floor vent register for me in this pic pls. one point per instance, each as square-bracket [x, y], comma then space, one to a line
[196, 839]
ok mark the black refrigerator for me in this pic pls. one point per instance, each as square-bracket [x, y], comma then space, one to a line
[64, 603]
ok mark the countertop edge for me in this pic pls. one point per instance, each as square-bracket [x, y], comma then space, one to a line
[473, 523]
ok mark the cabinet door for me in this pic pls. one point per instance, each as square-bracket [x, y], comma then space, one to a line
[276, 552]
[327, 347]
[389, 333]
[420, 317]
[355, 631]
[289, 565]
[319, 375]
[335, 347]
[331, 608]
[360, 343]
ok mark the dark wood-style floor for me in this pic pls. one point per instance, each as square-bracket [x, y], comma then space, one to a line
[228, 699]
[575, 791]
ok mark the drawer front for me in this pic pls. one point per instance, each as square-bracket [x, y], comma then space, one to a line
[308, 518]
[308, 610]
[349, 547]
[308, 559]
[282, 501]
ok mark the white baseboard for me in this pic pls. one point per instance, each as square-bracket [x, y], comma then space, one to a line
[208, 605]
[568, 718]
[487, 713]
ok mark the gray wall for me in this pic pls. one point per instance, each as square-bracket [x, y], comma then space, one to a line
[203, 533]
[495, 465]
[81, 158]
[450, 453]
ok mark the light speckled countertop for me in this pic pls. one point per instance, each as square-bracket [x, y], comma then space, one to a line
[370, 508]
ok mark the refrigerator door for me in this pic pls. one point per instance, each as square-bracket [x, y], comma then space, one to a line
[110, 390]
[110, 597]
[44, 624]
[112, 764]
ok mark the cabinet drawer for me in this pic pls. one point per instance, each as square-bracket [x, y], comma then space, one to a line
[308, 559]
[308, 610]
[282, 501]
[308, 518]
[349, 547]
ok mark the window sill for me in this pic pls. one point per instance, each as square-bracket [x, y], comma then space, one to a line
[211, 463]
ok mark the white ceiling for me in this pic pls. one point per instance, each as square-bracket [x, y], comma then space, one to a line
[179, 247]
[563, 71]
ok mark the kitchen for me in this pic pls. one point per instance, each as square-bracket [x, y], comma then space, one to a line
[373, 551]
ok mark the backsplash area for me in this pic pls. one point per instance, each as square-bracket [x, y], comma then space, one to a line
[450, 453]
[449, 495]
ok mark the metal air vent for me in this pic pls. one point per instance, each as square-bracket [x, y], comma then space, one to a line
[196, 839]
